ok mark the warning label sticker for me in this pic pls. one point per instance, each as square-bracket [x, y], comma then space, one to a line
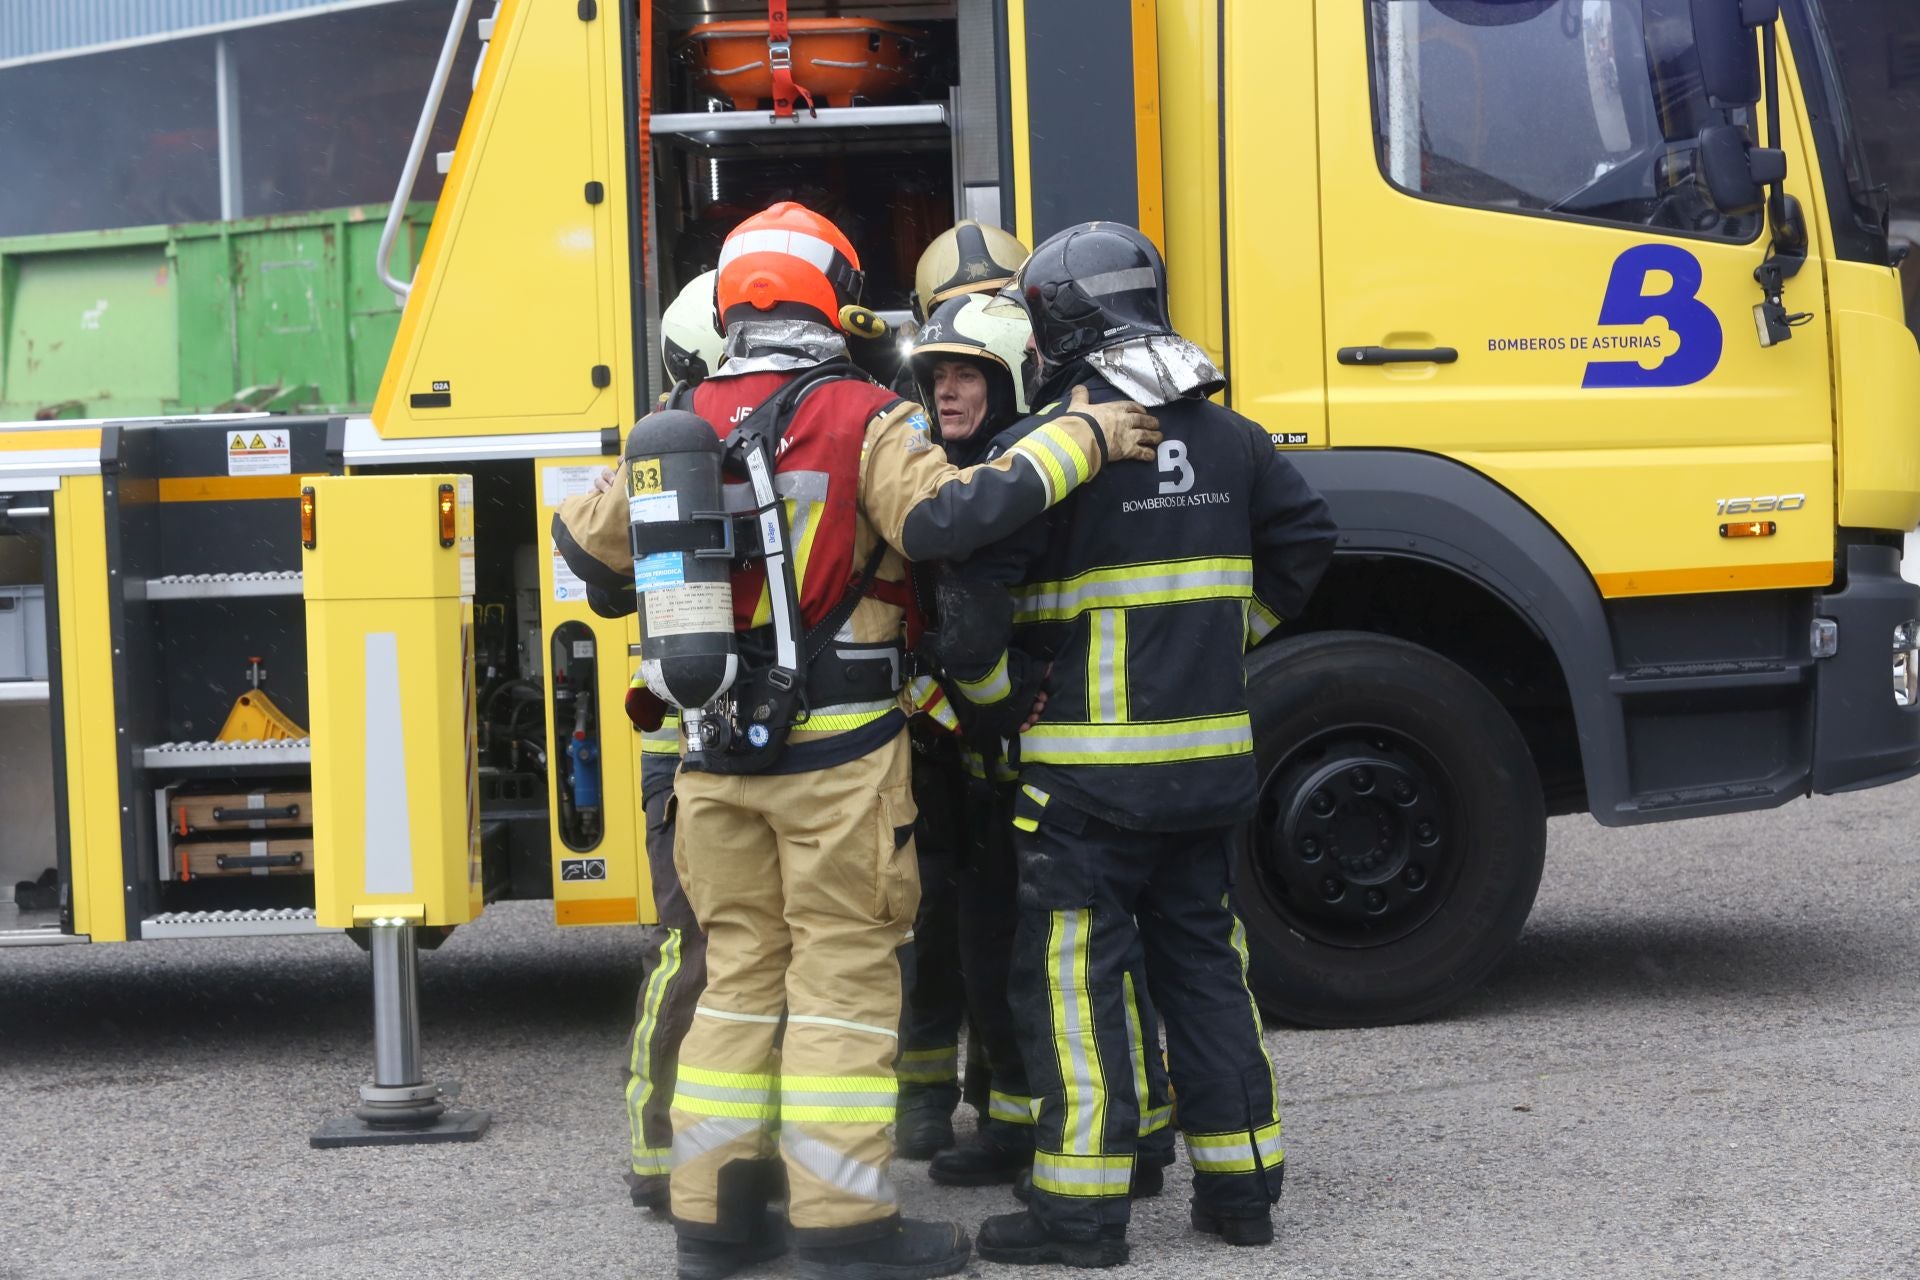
[563, 482]
[695, 608]
[258, 451]
[566, 584]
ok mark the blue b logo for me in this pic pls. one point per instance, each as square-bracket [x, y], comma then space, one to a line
[1628, 303]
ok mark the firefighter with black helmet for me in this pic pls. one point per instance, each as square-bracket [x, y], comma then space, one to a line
[1135, 602]
[969, 260]
[794, 811]
[968, 362]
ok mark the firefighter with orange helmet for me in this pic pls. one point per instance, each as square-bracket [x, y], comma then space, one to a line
[794, 840]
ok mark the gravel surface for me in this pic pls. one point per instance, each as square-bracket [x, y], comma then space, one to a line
[1699, 1062]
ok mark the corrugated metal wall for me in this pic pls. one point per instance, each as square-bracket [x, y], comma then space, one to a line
[30, 27]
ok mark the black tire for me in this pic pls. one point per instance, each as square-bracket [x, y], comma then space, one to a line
[1400, 835]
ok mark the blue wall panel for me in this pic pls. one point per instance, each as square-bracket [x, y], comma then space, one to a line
[30, 27]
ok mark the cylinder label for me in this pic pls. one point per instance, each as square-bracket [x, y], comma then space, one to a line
[694, 609]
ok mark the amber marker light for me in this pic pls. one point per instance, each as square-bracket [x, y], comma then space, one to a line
[308, 505]
[1750, 529]
[446, 515]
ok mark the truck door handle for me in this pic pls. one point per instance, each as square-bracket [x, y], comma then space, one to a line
[1398, 355]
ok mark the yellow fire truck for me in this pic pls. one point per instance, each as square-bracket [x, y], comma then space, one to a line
[1579, 312]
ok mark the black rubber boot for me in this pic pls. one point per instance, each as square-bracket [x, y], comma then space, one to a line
[716, 1259]
[912, 1251]
[650, 1193]
[919, 1132]
[1149, 1180]
[1019, 1239]
[980, 1164]
[1242, 1231]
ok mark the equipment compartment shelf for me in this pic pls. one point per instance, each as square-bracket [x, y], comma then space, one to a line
[219, 586]
[696, 124]
[227, 755]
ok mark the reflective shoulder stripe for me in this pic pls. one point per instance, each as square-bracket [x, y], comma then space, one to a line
[1127, 586]
[1145, 742]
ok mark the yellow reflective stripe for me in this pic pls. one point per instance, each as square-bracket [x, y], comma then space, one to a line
[1143, 742]
[1107, 666]
[1010, 1108]
[1261, 621]
[929, 1066]
[847, 715]
[1068, 992]
[839, 1099]
[1057, 456]
[1154, 1119]
[1039, 797]
[1239, 940]
[640, 1082]
[1122, 586]
[1234, 1152]
[728, 1079]
[1137, 1050]
[661, 742]
[995, 686]
[1082, 1176]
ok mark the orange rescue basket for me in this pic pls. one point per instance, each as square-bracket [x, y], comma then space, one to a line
[837, 59]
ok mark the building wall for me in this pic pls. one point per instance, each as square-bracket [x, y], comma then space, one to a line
[30, 28]
[130, 136]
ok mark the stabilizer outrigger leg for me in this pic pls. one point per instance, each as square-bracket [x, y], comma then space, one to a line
[401, 1106]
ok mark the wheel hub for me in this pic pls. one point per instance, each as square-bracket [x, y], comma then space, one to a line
[1353, 839]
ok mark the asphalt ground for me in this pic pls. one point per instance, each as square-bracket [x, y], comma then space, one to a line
[1699, 1062]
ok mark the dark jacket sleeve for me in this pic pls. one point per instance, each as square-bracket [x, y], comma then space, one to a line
[1293, 538]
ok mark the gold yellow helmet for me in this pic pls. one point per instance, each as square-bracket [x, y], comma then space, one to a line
[969, 257]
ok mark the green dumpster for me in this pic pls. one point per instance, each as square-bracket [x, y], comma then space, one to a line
[281, 313]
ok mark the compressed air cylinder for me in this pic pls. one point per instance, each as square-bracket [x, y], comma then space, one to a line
[676, 511]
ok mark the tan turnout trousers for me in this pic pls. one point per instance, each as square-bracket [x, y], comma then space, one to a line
[807, 886]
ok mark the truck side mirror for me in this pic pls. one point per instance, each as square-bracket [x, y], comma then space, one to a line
[1734, 172]
[1723, 34]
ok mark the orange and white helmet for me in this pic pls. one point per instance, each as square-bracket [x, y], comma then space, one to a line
[788, 260]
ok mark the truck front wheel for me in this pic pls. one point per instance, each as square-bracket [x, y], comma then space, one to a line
[1400, 832]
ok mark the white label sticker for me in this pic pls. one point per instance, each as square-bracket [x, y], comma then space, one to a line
[654, 508]
[258, 451]
[463, 524]
[690, 610]
[583, 648]
[560, 483]
[567, 586]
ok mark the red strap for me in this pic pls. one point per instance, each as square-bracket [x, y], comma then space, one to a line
[780, 61]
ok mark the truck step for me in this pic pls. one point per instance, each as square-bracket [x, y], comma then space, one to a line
[1689, 677]
[231, 924]
[227, 755]
[1732, 797]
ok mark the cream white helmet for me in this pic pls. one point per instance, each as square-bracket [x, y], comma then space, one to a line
[690, 338]
[969, 327]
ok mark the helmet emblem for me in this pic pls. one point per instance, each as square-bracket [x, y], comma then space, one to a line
[757, 735]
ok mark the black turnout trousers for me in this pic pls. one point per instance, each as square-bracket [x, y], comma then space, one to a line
[1090, 893]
